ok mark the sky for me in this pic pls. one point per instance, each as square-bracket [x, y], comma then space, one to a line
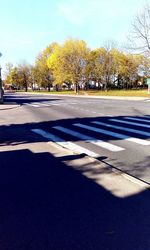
[28, 26]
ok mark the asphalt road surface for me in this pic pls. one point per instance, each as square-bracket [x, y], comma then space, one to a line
[47, 206]
[117, 130]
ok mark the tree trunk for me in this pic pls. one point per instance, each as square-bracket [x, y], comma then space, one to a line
[49, 87]
[76, 88]
[26, 87]
[56, 87]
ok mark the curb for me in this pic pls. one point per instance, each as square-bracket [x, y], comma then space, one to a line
[7, 106]
[91, 96]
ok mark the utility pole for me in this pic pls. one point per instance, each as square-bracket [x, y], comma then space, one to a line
[1, 89]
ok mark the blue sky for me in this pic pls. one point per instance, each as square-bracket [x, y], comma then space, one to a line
[28, 26]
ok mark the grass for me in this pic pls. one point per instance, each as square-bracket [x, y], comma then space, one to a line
[127, 93]
[130, 93]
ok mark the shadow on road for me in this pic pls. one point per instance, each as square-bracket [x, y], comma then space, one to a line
[16, 134]
[47, 205]
[29, 99]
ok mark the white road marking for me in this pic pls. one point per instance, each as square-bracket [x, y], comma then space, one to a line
[122, 128]
[35, 104]
[44, 104]
[90, 139]
[137, 119]
[49, 103]
[117, 135]
[130, 123]
[66, 144]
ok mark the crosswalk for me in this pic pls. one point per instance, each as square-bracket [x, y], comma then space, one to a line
[66, 144]
[100, 133]
[49, 103]
[89, 139]
[114, 134]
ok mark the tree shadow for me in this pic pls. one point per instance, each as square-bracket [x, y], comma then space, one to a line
[29, 99]
[47, 205]
[139, 169]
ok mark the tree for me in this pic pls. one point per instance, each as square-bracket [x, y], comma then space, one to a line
[24, 75]
[117, 62]
[13, 77]
[140, 33]
[9, 68]
[41, 72]
[129, 69]
[102, 69]
[20, 75]
[68, 62]
[145, 66]
[95, 65]
[108, 68]
[113, 67]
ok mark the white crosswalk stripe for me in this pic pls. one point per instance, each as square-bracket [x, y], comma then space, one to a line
[66, 144]
[38, 104]
[34, 104]
[136, 119]
[90, 139]
[135, 131]
[130, 123]
[117, 135]
[48, 104]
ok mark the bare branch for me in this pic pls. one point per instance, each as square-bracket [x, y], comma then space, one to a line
[140, 33]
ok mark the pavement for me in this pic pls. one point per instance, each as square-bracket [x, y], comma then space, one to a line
[115, 181]
[10, 105]
[54, 199]
[6, 106]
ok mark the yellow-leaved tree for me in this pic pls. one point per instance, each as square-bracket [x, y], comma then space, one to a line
[41, 73]
[68, 62]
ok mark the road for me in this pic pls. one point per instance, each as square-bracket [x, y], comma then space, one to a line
[117, 130]
[49, 205]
